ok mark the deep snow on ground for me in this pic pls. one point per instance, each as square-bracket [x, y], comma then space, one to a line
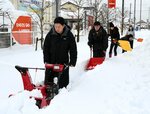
[118, 86]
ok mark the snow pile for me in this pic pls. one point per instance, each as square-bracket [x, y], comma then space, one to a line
[119, 86]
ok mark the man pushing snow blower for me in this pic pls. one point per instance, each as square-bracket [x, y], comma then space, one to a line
[59, 53]
[59, 48]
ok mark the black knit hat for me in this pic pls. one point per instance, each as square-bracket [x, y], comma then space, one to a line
[97, 23]
[59, 20]
[111, 24]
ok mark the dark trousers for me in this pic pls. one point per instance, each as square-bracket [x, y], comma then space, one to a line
[113, 45]
[98, 53]
[63, 78]
[131, 44]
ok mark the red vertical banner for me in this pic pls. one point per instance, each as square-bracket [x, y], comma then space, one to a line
[90, 20]
[22, 30]
[111, 3]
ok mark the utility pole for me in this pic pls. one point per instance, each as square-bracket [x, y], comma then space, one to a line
[134, 12]
[3, 20]
[130, 14]
[149, 14]
[57, 7]
[95, 10]
[140, 12]
[149, 18]
[108, 28]
[122, 24]
[85, 23]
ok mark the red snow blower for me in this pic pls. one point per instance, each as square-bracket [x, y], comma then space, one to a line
[48, 91]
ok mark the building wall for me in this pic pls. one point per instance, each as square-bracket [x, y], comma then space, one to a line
[15, 3]
[48, 17]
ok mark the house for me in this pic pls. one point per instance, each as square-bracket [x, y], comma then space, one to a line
[142, 23]
[50, 12]
[69, 6]
[70, 11]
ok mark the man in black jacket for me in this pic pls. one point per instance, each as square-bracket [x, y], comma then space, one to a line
[98, 40]
[59, 48]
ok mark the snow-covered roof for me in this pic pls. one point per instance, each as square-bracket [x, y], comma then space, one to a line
[7, 7]
[69, 6]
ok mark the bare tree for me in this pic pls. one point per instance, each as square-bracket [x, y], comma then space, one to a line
[40, 11]
[97, 8]
[106, 15]
[79, 15]
[122, 16]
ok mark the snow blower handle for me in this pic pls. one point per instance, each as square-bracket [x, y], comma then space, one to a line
[20, 68]
[55, 67]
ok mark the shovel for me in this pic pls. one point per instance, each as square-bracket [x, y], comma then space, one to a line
[139, 39]
[124, 44]
[93, 61]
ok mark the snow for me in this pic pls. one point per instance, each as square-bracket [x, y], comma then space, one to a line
[6, 5]
[118, 86]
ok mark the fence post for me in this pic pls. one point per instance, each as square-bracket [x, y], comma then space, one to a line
[36, 44]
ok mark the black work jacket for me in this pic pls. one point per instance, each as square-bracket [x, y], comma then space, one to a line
[114, 34]
[60, 48]
[98, 39]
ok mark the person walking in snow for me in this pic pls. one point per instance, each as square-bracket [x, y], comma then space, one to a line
[132, 35]
[59, 48]
[115, 36]
[98, 40]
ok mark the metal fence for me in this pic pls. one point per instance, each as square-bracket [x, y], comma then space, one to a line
[5, 40]
[23, 37]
